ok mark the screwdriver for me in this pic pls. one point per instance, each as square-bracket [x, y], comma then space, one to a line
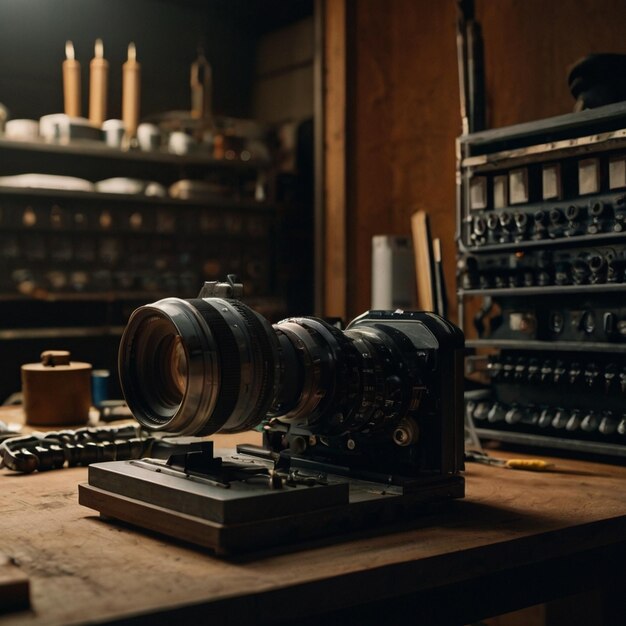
[531, 465]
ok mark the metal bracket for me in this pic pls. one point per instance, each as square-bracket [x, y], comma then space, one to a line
[230, 289]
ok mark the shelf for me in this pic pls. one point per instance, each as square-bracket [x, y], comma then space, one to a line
[543, 441]
[551, 346]
[103, 296]
[12, 334]
[120, 198]
[254, 302]
[102, 151]
[563, 131]
[598, 239]
[542, 291]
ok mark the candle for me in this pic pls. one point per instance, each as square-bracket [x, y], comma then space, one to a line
[131, 74]
[98, 79]
[71, 82]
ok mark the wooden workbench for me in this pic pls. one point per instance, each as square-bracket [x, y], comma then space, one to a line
[516, 539]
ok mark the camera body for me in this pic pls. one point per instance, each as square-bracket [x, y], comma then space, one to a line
[359, 425]
[416, 397]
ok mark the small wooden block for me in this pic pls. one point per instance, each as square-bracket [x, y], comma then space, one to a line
[14, 586]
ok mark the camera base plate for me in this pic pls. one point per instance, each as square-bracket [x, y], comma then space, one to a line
[251, 514]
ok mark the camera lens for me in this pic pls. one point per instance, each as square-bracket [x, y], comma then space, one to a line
[194, 367]
[210, 364]
[167, 381]
[172, 373]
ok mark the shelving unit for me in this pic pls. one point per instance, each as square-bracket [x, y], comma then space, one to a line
[542, 268]
[75, 264]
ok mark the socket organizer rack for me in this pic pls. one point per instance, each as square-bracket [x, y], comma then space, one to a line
[541, 280]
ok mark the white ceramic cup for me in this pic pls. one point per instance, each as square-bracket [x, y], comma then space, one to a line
[180, 143]
[113, 133]
[22, 130]
[148, 137]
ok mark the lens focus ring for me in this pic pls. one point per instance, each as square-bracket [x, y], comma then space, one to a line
[146, 367]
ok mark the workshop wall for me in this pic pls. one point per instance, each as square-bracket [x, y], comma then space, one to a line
[283, 85]
[529, 46]
[405, 116]
[403, 104]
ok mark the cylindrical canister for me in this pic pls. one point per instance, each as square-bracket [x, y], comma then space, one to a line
[100, 386]
[57, 391]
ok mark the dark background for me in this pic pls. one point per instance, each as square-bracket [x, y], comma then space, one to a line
[167, 34]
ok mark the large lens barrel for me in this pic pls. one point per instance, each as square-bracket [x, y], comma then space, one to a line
[198, 366]
[213, 364]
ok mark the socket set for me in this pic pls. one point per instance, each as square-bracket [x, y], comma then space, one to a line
[544, 268]
[550, 426]
[558, 319]
[569, 400]
[133, 247]
[541, 268]
[599, 216]
[564, 373]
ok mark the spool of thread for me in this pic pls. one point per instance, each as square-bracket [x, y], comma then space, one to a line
[57, 391]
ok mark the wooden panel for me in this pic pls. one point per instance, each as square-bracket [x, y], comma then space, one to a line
[283, 88]
[335, 198]
[529, 44]
[371, 149]
[406, 120]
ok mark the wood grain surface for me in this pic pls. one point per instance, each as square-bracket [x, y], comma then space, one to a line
[83, 568]
[335, 131]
